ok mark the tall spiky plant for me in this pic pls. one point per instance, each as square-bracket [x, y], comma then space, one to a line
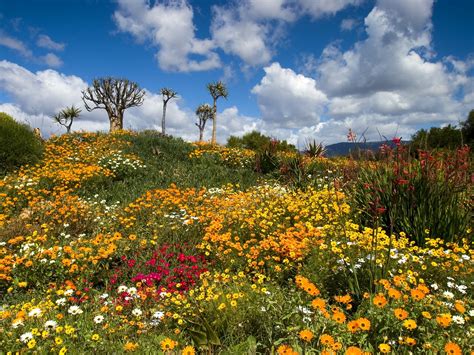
[167, 94]
[67, 116]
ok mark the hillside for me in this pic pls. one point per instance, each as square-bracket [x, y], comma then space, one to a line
[136, 242]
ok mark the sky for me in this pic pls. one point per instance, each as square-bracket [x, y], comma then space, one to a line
[294, 69]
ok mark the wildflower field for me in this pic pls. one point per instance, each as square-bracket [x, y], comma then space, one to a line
[135, 242]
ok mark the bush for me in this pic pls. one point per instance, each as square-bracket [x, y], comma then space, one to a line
[18, 144]
[426, 196]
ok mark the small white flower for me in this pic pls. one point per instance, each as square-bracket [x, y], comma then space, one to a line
[458, 320]
[61, 301]
[448, 295]
[158, 315]
[50, 325]
[25, 338]
[137, 312]
[132, 291]
[104, 296]
[69, 292]
[74, 310]
[98, 319]
[35, 312]
[122, 288]
[471, 313]
[17, 323]
[434, 286]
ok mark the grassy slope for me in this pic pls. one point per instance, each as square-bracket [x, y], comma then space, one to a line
[167, 160]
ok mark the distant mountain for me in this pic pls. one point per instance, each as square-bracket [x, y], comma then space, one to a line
[344, 148]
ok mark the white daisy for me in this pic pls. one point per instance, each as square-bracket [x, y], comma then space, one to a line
[98, 319]
[122, 288]
[35, 312]
[74, 310]
[68, 292]
[158, 315]
[61, 302]
[458, 320]
[137, 312]
[50, 325]
[25, 338]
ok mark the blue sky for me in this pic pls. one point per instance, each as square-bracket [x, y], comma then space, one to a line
[295, 69]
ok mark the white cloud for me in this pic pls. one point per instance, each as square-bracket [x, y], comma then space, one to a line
[320, 8]
[348, 24]
[52, 60]
[15, 44]
[170, 27]
[45, 41]
[287, 99]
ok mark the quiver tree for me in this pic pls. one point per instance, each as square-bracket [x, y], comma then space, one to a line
[204, 113]
[216, 90]
[167, 94]
[114, 96]
[66, 117]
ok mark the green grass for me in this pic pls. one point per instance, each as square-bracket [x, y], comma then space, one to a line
[167, 162]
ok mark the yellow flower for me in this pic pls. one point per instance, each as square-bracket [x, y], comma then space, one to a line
[129, 346]
[410, 324]
[384, 348]
[95, 337]
[63, 350]
[31, 344]
[188, 350]
[58, 341]
[168, 344]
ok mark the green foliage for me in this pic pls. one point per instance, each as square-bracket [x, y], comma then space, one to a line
[448, 137]
[18, 144]
[467, 129]
[314, 149]
[258, 142]
[167, 162]
[428, 196]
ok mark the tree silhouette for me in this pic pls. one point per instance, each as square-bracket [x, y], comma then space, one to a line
[167, 94]
[216, 89]
[204, 113]
[67, 116]
[114, 96]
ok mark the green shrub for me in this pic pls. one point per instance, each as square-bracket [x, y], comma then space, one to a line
[427, 196]
[18, 144]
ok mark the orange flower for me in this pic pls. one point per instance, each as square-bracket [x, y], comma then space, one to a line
[306, 335]
[444, 320]
[326, 339]
[129, 346]
[353, 350]
[336, 346]
[318, 303]
[353, 326]
[380, 300]
[452, 348]
[394, 293]
[339, 317]
[459, 306]
[410, 341]
[364, 323]
[286, 350]
[400, 313]
[417, 295]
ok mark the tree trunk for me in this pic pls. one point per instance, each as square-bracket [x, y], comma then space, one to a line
[163, 117]
[116, 124]
[214, 116]
[201, 133]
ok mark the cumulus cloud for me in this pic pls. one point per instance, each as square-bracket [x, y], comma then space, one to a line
[288, 99]
[45, 41]
[169, 26]
[320, 8]
[348, 24]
